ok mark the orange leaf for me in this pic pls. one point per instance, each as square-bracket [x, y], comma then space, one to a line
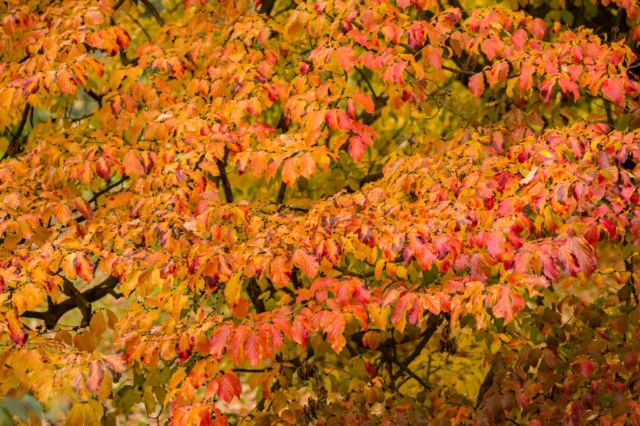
[16, 331]
[306, 262]
[84, 208]
[364, 101]
[83, 267]
[476, 84]
[62, 213]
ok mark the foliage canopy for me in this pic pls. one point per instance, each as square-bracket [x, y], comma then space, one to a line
[333, 212]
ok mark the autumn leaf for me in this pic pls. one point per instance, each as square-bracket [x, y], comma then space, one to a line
[229, 386]
[233, 288]
[84, 208]
[96, 374]
[506, 303]
[613, 90]
[476, 84]
[17, 332]
[306, 262]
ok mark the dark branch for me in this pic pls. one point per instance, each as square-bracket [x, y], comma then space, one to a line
[81, 302]
[371, 178]
[55, 311]
[13, 145]
[433, 323]
[108, 188]
[117, 5]
[281, 193]
[496, 364]
[224, 178]
[354, 274]
[267, 6]
[151, 8]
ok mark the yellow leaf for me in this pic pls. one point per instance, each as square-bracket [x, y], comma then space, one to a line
[232, 289]
[83, 414]
[28, 298]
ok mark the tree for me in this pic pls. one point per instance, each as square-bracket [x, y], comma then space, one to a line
[334, 212]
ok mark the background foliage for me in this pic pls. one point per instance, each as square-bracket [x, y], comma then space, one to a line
[331, 212]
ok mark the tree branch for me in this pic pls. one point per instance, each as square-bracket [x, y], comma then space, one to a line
[281, 193]
[433, 323]
[267, 6]
[107, 189]
[16, 137]
[354, 274]
[152, 9]
[117, 5]
[224, 178]
[55, 311]
[81, 302]
[496, 363]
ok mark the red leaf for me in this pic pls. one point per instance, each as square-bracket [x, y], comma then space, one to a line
[218, 341]
[253, 349]
[236, 345]
[103, 169]
[335, 331]
[585, 255]
[300, 332]
[613, 89]
[506, 303]
[568, 86]
[496, 244]
[229, 386]
[357, 148]
[398, 318]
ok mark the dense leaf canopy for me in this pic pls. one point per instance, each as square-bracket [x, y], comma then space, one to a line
[329, 212]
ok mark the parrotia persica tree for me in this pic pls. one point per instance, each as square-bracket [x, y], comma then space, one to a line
[327, 212]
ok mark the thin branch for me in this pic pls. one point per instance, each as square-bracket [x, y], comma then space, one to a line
[248, 370]
[117, 5]
[16, 136]
[457, 71]
[433, 323]
[107, 189]
[373, 92]
[139, 24]
[354, 274]
[408, 372]
[152, 9]
[496, 363]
